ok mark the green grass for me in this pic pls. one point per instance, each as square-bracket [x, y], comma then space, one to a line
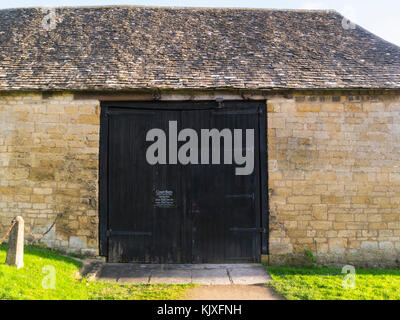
[322, 283]
[26, 283]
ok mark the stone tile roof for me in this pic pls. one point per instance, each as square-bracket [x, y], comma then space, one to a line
[176, 48]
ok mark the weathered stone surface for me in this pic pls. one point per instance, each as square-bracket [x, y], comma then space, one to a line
[171, 276]
[210, 276]
[206, 274]
[209, 50]
[15, 251]
[334, 183]
[341, 186]
[46, 168]
[253, 275]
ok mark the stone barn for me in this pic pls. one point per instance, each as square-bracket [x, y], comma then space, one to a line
[192, 135]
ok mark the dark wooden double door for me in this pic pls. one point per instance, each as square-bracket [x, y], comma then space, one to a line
[176, 213]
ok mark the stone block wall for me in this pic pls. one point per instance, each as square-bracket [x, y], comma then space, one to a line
[49, 164]
[333, 162]
[334, 179]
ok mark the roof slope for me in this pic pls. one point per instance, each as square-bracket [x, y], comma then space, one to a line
[176, 48]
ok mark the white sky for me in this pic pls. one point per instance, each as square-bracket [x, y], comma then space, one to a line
[380, 17]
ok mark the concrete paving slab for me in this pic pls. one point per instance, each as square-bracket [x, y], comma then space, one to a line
[210, 276]
[252, 275]
[231, 292]
[108, 273]
[135, 277]
[177, 276]
[135, 266]
[203, 274]
[220, 265]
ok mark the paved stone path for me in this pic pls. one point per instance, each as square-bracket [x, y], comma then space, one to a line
[231, 292]
[203, 274]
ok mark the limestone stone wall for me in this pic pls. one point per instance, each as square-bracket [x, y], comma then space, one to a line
[334, 173]
[334, 179]
[49, 165]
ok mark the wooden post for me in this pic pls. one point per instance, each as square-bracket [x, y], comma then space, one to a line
[15, 252]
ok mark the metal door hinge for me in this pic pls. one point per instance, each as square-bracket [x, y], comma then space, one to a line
[260, 230]
[246, 195]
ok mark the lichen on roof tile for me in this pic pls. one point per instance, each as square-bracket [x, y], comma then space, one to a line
[125, 47]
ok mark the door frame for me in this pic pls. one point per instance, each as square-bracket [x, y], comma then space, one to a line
[179, 105]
